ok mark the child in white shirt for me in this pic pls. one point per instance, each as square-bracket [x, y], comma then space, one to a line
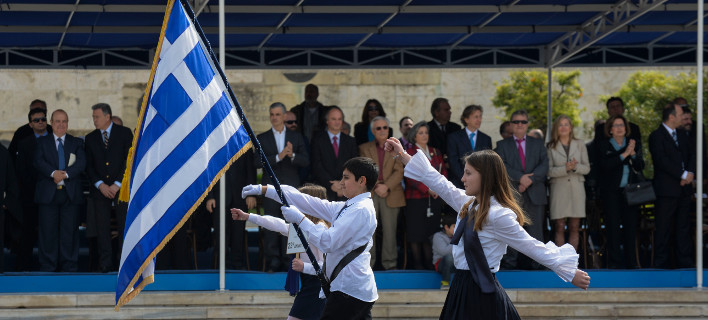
[353, 290]
[307, 304]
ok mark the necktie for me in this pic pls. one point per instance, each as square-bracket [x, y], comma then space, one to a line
[521, 154]
[442, 128]
[335, 145]
[472, 140]
[342, 210]
[673, 135]
[474, 254]
[60, 151]
[105, 139]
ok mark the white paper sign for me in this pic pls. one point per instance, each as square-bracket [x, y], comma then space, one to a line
[294, 243]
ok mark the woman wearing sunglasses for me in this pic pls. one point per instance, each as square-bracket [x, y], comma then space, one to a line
[372, 109]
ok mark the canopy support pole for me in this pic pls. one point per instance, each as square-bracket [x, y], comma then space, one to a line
[699, 148]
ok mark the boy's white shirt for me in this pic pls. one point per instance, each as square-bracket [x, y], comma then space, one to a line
[354, 228]
[280, 226]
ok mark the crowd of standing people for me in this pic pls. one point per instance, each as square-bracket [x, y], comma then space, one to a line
[46, 171]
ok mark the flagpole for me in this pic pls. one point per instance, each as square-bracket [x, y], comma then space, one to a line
[222, 181]
[257, 145]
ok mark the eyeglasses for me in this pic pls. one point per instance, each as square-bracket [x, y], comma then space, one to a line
[372, 108]
[291, 121]
[381, 128]
[619, 125]
[38, 120]
[520, 121]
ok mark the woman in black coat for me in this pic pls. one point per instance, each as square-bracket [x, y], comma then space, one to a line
[362, 132]
[617, 156]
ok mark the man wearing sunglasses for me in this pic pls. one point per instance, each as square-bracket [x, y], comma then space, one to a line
[526, 162]
[26, 130]
[387, 194]
[291, 121]
[27, 179]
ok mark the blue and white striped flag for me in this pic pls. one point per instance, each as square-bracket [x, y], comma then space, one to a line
[189, 133]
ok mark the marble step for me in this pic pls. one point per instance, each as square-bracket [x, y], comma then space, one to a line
[212, 298]
[397, 311]
[399, 304]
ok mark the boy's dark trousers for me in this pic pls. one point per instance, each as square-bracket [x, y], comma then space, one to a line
[343, 306]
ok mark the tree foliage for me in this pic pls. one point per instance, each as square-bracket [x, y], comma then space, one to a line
[528, 89]
[645, 94]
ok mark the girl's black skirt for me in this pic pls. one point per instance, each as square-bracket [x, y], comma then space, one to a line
[307, 303]
[465, 300]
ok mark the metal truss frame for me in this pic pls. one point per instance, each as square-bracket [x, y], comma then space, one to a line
[596, 28]
[282, 9]
[359, 58]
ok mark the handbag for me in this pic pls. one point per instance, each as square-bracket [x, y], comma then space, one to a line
[639, 192]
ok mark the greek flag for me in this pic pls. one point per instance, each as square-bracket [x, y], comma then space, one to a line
[189, 133]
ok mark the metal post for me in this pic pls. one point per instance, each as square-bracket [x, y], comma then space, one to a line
[549, 105]
[222, 181]
[699, 147]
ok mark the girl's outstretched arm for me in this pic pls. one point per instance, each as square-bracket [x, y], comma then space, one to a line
[418, 168]
[269, 222]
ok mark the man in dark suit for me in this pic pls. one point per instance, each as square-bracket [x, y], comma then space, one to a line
[9, 201]
[240, 174]
[286, 153]
[674, 167]
[441, 125]
[526, 162]
[330, 150]
[615, 106]
[106, 154]
[310, 113]
[59, 159]
[27, 180]
[463, 142]
[690, 130]
[26, 130]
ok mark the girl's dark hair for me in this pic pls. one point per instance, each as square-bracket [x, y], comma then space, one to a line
[363, 167]
[495, 183]
[365, 113]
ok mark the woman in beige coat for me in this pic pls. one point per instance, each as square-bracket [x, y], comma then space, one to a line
[567, 166]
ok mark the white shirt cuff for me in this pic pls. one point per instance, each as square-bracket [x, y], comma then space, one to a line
[271, 193]
[308, 268]
[98, 183]
[684, 175]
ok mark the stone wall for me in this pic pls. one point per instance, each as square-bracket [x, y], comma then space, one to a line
[401, 91]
